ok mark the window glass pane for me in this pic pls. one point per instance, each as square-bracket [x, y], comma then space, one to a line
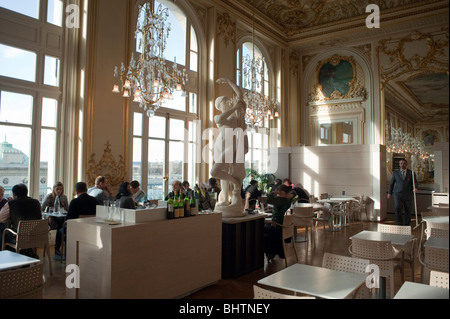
[51, 72]
[156, 151]
[176, 130]
[177, 103]
[55, 12]
[18, 64]
[194, 46]
[137, 159]
[191, 164]
[192, 102]
[194, 61]
[26, 7]
[48, 163]
[176, 155]
[49, 112]
[257, 140]
[176, 42]
[15, 156]
[157, 127]
[16, 108]
[137, 124]
[257, 164]
[193, 132]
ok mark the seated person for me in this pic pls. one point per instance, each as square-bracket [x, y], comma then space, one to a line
[302, 195]
[101, 191]
[124, 197]
[251, 194]
[187, 188]
[138, 194]
[281, 199]
[176, 187]
[83, 204]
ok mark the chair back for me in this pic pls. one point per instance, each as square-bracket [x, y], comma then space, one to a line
[261, 293]
[380, 253]
[394, 229]
[439, 279]
[435, 225]
[32, 234]
[436, 259]
[26, 283]
[439, 233]
[303, 216]
[288, 241]
[345, 263]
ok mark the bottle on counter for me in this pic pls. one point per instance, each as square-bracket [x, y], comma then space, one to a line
[193, 206]
[175, 205]
[180, 205]
[170, 208]
[187, 205]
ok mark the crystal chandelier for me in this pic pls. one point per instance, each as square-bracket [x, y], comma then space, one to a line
[400, 142]
[148, 79]
[259, 106]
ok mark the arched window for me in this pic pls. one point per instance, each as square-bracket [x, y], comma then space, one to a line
[31, 101]
[164, 145]
[259, 137]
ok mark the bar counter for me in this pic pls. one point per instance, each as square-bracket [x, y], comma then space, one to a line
[158, 259]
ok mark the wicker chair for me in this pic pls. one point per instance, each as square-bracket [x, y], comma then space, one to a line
[304, 217]
[381, 253]
[348, 264]
[30, 234]
[408, 249]
[261, 293]
[439, 279]
[22, 283]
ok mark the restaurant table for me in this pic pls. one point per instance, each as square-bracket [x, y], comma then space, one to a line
[414, 290]
[335, 201]
[11, 260]
[395, 239]
[315, 281]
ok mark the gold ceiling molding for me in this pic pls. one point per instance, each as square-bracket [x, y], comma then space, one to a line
[356, 85]
[365, 49]
[108, 167]
[306, 59]
[412, 55]
[226, 28]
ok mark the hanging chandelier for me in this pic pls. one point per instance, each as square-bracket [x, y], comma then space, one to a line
[148, 79]
[399, 142]
[259, 106]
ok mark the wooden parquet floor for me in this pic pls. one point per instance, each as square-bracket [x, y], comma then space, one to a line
[242, 287]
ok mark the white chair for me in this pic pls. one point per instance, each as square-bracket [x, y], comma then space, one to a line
[439, 233]
[434, 225]
[439, 279]
[288, 241]
[261, 293]
[380, 253]
[408, 249]
[304, 218]
[436, 259]
[348, 264]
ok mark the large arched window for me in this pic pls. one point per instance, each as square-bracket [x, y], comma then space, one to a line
[164, 147]
[259, 138]
[31, 101]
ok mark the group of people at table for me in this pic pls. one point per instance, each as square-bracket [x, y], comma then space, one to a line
[22, 207]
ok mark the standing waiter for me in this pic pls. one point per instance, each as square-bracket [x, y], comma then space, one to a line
[403, 184]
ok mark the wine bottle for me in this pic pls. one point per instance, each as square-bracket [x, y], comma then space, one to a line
[170, 208]
[193, 207]
[175, 205]
[180, 205]
[187, 205]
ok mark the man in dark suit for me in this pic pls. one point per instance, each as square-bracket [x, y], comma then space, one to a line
[403, 187]
[83, 204]
[21, 207]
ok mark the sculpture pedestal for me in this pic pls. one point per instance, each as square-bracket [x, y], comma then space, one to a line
[230, 211]
[242, 245]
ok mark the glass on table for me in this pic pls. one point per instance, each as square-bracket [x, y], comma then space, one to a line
[106, 202]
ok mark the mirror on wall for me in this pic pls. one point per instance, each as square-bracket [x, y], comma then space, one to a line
[341, 132]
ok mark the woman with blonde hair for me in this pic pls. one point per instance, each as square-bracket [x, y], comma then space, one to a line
[56, 222]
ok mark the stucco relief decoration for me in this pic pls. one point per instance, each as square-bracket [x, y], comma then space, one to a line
[294, 63]
[113, 170]
[338, 77]
[226, 28]
[413, 55]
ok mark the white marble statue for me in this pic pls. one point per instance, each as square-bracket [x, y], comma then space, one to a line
[230, 148]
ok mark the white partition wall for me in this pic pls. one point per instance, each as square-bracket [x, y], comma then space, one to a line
[355, 169]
